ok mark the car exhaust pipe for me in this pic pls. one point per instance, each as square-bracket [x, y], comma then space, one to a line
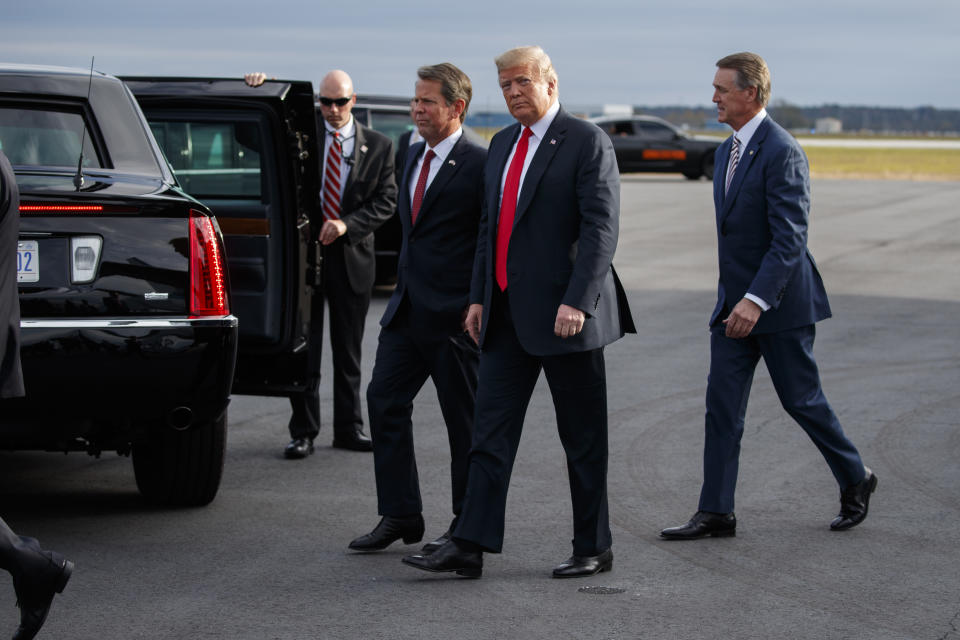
[180, 418]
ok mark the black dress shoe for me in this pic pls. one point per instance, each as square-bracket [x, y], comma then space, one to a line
[703, 524]
[35, 591]
[432, 546]
[353, 439]
[854, 502]
[582, 566]
[389, 530]
[449, 557]
[298, 448]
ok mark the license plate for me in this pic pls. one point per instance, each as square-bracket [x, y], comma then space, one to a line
[28, 261]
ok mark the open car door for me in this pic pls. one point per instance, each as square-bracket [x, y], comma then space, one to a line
[250, 155]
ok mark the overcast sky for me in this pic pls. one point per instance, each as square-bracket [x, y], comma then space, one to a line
[891, 53]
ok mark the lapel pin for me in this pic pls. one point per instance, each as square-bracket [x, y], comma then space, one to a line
[553, 141]
[751, 151]
[452, 163]
[363, 148]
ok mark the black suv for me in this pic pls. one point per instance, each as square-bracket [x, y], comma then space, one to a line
[129, 293]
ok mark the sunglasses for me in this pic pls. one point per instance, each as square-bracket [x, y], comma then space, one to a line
[340, 102]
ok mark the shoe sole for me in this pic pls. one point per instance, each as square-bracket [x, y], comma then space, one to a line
[713, 534]
[562, 576]
[466, 572]
[65, 574]
[414, 539]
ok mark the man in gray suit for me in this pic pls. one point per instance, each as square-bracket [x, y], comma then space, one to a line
[544, 296]
[37, 574]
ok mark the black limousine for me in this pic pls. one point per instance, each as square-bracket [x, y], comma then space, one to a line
[140, 310]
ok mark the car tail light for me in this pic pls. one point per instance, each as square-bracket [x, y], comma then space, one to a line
[208, 287]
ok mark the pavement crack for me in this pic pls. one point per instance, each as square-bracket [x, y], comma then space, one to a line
[953, 631]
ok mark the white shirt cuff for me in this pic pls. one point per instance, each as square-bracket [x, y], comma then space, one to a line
[760, 302]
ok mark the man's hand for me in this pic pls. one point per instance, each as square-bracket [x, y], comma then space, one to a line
[569, 321]
[254, 79]
[471, 323]
[331, 230]
[742, 319]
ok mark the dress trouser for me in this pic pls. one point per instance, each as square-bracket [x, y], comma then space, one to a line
[788, 356]
[508, 375]
[20, 555]
[416, 345]
[348, 314]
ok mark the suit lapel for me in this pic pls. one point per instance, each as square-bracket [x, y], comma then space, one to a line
[497, 160]
[743, 167]
[541, 160]
[359, 155]
[444, 174]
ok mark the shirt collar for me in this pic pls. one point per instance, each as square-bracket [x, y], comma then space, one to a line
[445, 146]
[539, 128]
[346, 131]
[746, 131]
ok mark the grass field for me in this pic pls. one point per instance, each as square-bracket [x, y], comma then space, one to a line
[884, 164]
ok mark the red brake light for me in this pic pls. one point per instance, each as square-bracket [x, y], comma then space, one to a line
[60, 208]
[69, 207]
[208, 291]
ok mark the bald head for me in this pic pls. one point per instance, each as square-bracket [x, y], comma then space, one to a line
[336, 98]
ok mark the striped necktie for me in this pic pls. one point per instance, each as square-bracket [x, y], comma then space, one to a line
[734, 161]
[330, 195]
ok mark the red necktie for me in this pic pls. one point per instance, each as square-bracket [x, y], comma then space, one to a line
[508, 207]
[421, 186]
[330, 195]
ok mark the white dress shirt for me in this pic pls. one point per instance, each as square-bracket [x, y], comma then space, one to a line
[538, 130]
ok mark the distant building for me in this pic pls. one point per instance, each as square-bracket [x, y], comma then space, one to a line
[828, 125]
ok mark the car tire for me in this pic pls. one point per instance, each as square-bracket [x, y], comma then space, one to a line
[182, 468]
[691, 175]
[706, 165]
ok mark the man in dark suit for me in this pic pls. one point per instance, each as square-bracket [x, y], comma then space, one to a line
[423, 332]
[770, 296]
[37, 574]
[544, 296]
[358, 195]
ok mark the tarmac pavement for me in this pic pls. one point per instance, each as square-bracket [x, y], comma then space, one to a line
[268, 559]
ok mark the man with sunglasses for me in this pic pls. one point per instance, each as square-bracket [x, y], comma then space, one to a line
[358, 194]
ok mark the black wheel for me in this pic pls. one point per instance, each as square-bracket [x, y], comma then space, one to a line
[706, 165]
[182, 468]
[691, 175]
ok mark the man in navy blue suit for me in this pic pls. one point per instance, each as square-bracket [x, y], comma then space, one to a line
[770, 296]
[544, 297]
[422, 335]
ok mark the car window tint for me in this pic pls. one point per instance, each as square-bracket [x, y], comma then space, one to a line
[621, 128]
[391, 124]
[212, 159]
[45, 137]
[655, 131]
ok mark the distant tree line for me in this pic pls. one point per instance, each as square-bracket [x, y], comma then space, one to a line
[885, 120]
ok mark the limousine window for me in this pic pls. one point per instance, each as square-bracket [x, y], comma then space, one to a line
[212, 159]
[47, 138]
